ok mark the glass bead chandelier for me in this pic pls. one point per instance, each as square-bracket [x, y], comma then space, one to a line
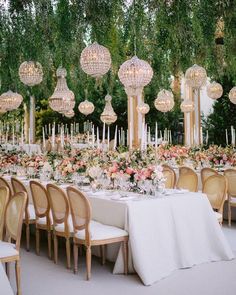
[134, 74]
[62, 99]
[10, 100]
[86, 107]
[31, 73]
[164, 101]
[108, 115]
[214, 90]
[143, 108]
[69, 114]
[187, 106]
[195, 76]
[95, 60]
[232, 95]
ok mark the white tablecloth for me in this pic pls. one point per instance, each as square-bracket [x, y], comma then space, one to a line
[27, 148]
[5, 287]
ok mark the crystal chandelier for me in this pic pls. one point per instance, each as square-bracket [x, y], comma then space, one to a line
[86, 107]
[232, 95]
[164, 101]
[214, 90]
[195, 76]
[143, 108]
[95, 60]
[134, 74]
[10, 100]
[69, 114]
[2, 110]
[187, 106]
[63, 99]
[31, 73]
[108, 115]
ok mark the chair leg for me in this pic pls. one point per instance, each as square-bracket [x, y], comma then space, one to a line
[81, 250]
[27, 237]
[7, 267]
[229, 214]
[68, 252]
[37, 241]
[17, 269]
[88, 262]
[75, 248]
[55, 242]
[125, 256]
[49, 245]
[103, 254]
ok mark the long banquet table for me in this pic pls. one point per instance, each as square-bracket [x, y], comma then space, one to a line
[166, 233]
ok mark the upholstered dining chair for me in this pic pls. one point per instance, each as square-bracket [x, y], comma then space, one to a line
[207, 172]
[9, 252]
[91, 233]
[230, 175]
[29, 217]
[170, 176]
[187, 179]
[62, 222]
[42, 213]
[215, 187]
[4, 198]
[4, 182]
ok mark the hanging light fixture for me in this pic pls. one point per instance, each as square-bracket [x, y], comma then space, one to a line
[187, 106]
[134, 74]
[164, 101]
[63, 99]
[143, 108]
[10, 100]
[232, 95]
[86, 107]
[69, 114]
[31, 73]
[95, 60]
[108, 115]
[195, 76]
[214, 90]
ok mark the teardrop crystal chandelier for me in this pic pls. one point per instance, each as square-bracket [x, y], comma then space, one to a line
[214, 90]
[195, 76]
[164, 101]
[10, 100]
[108, 115]
[95, 60]
[86, 107]
[31, 73]
[187, 106]
[134, 74]
[232, 95]
[63, 99]
[143, 108]
[69, 114]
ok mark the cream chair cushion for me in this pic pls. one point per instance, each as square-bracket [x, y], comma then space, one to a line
[7, 249]
[61, 227]
[31, 212]
[233, 200]
[99, 231]
[43, 220]
[218, 216]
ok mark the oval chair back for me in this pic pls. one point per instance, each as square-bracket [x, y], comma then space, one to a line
[187, 179]
[3, 182]
[4, 198]
[207, 172]
[170, 176]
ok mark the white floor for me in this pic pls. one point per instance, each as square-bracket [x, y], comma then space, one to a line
[40, 276]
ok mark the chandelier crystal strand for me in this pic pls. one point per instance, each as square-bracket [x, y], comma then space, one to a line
[143, 108]
[95, 60]
[195, 76]
[10, 100]
[164, 101]
[232, 95]
[69, 114]
[134, 74]
[86, 107]
[214, 90]
[31, 73]
[187, 106]
[108, 115]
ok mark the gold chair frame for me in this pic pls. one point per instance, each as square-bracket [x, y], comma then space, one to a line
[187, 179]
[4, 199]
[231, 191]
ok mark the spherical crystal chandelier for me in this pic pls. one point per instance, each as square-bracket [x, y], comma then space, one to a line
[108, 115]
[134, 74]
[232, 95]
[69, 114]
[31, 73]
[143, 108]
[164, 101]
[195, 76]
[187, 106]
[10, 100]
[86, 107]
[214, 90]
[63, 99]
[95, 60]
